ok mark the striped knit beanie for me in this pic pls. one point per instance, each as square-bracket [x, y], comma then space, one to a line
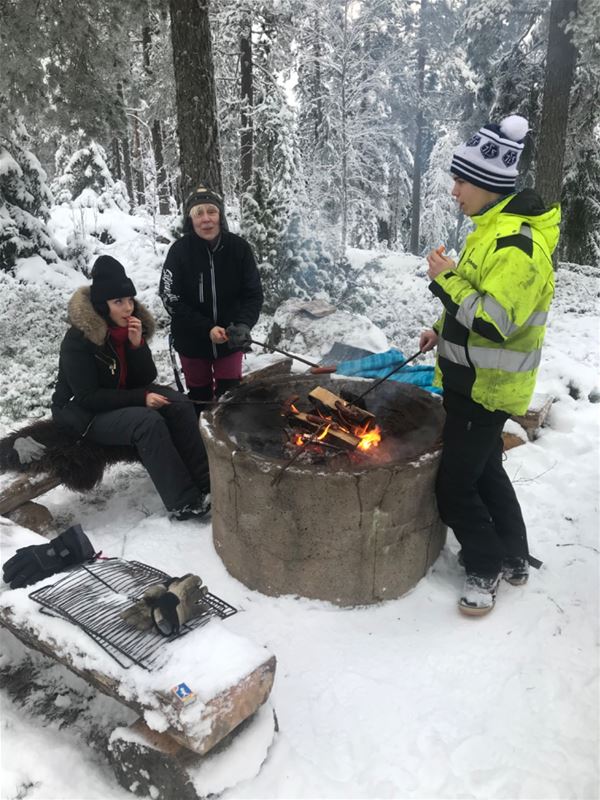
[490, 158]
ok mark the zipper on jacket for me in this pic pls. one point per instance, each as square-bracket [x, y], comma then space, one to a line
[214, 294]
[201, 288]
[464, 256]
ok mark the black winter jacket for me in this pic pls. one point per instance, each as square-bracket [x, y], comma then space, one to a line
[89, 370]
[201, 288]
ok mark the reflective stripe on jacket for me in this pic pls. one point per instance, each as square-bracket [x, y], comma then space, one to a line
[496, 304]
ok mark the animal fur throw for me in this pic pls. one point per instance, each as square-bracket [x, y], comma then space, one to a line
[43, 449]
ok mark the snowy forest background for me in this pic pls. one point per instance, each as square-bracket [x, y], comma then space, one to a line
[327, 125]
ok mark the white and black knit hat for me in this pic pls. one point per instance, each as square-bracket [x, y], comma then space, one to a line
[490, 158]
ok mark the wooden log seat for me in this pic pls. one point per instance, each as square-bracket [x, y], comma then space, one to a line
[78, 464]
[226, 677]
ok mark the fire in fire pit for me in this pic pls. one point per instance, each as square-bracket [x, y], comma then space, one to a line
[333, 423]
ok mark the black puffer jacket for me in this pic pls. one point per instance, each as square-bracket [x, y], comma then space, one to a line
[88, 368]
[201, 288]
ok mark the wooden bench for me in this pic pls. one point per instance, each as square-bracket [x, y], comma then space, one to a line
[167, 732]
[78, 465]
[530, 422]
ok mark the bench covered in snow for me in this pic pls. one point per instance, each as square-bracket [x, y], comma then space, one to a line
[230, 677]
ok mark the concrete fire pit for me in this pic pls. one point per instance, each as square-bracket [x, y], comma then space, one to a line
[353, 530]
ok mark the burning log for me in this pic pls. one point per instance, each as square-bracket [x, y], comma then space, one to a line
[323, 430]
[335, 423]
[333, 403]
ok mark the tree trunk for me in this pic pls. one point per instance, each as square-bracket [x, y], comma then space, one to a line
[247, 98]
[162, 188]
[116, 158]
[125, 148]
[318, 87]
[343, 131]
[138, 170]
[560, 68]
[416, 188]
[197, 124]
[162, 183]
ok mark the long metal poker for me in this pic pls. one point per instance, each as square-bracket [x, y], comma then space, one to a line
[385, 377]
[283, 353]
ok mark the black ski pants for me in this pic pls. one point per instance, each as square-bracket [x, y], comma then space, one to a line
[475, 496]
[168, 442]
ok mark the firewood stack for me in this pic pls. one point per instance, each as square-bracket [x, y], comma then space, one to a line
[333, 422]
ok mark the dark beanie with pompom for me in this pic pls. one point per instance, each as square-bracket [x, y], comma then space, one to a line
[109, 281]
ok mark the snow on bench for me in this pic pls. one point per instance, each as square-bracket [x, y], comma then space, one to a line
[230, 676]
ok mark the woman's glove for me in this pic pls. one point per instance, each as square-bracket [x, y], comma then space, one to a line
[31, 564]
[239, 336]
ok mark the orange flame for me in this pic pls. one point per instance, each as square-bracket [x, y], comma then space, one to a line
[368, 438]
[322, 435]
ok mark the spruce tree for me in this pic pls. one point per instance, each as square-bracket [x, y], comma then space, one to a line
[25, 201]
[84, 177]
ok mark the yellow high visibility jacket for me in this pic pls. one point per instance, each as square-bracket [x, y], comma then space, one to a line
[496, 304]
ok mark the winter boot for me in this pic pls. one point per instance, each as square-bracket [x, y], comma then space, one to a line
[479, 594]
[196, 510]
[515, 571]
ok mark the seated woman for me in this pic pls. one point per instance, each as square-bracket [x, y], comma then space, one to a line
[105, 390]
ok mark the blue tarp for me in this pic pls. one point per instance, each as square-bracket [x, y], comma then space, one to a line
[378, 365]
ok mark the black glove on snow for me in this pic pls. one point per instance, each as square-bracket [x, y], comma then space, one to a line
[31, 564]
[239, 336]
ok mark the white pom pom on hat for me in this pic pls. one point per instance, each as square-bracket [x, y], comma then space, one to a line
[514, 127]
[490, 158]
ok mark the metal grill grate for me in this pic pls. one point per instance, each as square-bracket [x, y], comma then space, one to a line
[94, 596]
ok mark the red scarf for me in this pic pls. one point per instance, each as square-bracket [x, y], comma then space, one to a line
[118, 338]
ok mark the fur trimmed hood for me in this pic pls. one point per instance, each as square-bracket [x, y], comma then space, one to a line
[85, 318]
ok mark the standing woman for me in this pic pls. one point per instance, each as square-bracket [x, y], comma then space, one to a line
[105, 390]
[211, 289]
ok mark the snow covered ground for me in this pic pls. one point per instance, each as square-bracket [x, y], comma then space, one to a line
[407, 699]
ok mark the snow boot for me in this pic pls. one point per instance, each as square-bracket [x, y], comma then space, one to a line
[193, 510]
[515, 571]
[479, 594]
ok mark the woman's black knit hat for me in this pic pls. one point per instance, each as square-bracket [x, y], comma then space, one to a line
[109, 281]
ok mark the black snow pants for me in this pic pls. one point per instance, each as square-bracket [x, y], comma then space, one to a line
[475, 496]
[168, 442]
